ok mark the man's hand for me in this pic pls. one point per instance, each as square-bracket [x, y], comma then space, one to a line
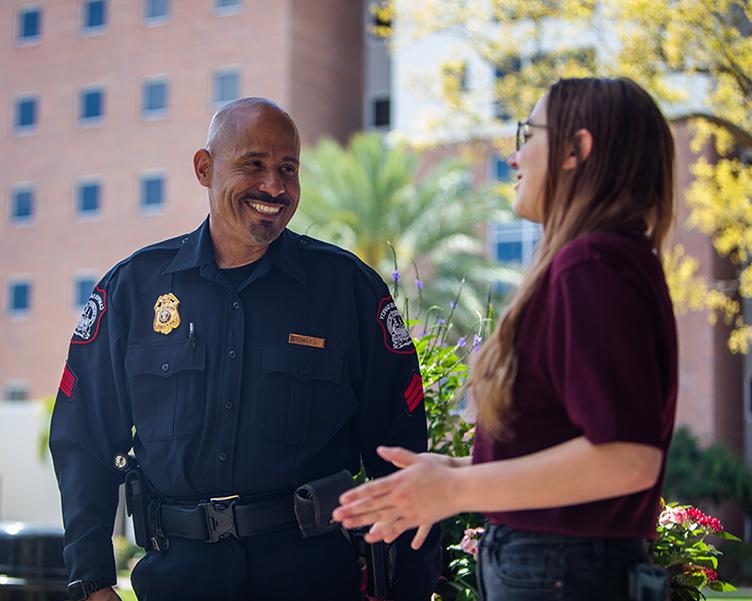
[106, 594]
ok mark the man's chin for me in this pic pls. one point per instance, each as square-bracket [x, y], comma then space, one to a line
[264, 233]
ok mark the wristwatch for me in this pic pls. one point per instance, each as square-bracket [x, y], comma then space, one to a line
[78, 590]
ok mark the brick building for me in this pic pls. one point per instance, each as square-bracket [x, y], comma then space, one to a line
[105, 103]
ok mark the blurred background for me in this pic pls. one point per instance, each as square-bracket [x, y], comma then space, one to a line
[407, 112]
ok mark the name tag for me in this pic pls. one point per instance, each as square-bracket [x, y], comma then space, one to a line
[306, 340]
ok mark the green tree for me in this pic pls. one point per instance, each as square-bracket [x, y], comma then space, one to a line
[694, 55]
[369, 195]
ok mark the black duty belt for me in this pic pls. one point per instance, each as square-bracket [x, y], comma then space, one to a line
[221, 517]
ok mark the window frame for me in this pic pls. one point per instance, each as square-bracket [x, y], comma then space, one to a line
[218, 72]
[154, 21]
[77, 189]
[151, 209]
[14, 220]
[88, 122]
[24, 130]
[29, 40]
[18, 314]
[154, 114]
[225, 11]
[93, 30]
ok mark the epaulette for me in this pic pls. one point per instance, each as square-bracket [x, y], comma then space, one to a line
[308, 243]
[170, 244]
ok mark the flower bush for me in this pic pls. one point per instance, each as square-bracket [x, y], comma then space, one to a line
[683, 549]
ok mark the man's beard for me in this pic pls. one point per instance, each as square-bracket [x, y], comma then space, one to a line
[264, 232]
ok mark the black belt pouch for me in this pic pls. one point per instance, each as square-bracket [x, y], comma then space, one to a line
[315, 502]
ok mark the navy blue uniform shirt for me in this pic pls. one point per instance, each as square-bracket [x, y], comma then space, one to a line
[299, 371]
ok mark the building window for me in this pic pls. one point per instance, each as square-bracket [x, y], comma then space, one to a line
[515, 242]
[381, 112]
[94, 16]
[29, 25]
[227, 7]
[82, 287]
[16, 392]
[19, 298]
[156, 11]
[25, 114]
[226, 86]
[21, 205]
[91, 106]
[89, 196]
[154, 96]
[152, 191]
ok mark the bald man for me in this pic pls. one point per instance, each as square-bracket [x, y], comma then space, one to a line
[236, 363]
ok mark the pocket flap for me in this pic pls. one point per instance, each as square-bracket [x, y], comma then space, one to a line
[164, 360]
[303, 363]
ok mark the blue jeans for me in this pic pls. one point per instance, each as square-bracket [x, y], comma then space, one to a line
[515, 565]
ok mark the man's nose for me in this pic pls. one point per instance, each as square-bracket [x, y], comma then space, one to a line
[272, 184]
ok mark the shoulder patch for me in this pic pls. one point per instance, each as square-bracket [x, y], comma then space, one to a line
[91, 316]
[396, 335]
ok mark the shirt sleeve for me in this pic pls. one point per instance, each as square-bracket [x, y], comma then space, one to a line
[392, 413]
[603, 354]
[90, 425]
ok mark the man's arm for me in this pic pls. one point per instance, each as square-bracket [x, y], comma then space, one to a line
[90, 424]
[392, 412]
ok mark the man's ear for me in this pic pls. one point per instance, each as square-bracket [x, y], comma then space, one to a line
[202, 166]
[583, 144]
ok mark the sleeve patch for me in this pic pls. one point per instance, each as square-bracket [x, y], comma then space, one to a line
[413, 393]
[396, 335]
[88, 325]
[68, 381]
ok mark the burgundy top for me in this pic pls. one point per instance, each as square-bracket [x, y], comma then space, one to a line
[597, 356]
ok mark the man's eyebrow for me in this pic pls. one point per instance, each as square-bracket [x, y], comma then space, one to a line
[253, 154]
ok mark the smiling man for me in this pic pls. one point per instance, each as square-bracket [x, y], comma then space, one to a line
[238, 362]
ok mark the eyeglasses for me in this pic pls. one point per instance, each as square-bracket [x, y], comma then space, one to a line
[523, 131]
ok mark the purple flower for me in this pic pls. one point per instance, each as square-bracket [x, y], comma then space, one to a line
[440, 322]
[453, 305]
[461, 342]
[396, 276]
[419, 284]
[476, 342]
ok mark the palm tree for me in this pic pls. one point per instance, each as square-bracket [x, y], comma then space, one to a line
[368, 196]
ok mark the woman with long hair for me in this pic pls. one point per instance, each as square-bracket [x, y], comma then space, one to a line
[576, 389]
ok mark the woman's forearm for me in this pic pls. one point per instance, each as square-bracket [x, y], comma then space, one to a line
[570, 473]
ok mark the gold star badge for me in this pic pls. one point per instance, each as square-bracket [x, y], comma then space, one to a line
[166, 316]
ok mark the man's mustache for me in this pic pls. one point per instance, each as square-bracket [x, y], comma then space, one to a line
[282, 199]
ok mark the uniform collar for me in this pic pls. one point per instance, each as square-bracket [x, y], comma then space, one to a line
[197, 250]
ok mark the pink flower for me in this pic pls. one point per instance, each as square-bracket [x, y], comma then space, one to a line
[471, 540]
[672, 515]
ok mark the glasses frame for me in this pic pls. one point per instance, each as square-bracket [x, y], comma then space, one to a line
[523, 128]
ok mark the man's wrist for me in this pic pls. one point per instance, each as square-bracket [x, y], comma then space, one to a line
[78, 590]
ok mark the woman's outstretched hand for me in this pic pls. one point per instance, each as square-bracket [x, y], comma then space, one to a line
[420, 494]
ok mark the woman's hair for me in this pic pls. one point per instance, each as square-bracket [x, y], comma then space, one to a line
[626, 183]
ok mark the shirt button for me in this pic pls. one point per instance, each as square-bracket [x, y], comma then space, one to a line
[232, 354]
[236, 305]
[223, 456]
[228, 405]
[165, 367]
[303, 371]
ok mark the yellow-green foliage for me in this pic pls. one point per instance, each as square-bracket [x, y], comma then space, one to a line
[678, 49]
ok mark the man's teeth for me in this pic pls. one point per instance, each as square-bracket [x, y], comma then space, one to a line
[266, 209]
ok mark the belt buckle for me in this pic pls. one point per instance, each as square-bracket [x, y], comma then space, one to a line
[220, 517]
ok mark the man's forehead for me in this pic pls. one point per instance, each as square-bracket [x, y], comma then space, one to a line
[259, 124]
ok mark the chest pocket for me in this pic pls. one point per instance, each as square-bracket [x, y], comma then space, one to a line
[167, 389]
[306, 399]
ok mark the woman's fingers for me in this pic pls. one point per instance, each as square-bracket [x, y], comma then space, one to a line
[420, 536]
[372, 489]
[387, 531]
[397, 455]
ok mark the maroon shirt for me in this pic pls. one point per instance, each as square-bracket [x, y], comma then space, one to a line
[597, 357]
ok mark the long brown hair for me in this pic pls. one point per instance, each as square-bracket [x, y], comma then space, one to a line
[626, 182]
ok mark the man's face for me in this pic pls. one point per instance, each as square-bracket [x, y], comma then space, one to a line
[254, 188]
